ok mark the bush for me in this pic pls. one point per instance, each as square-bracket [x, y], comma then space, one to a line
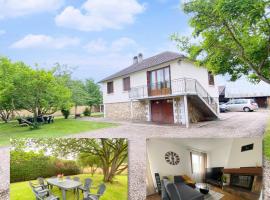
[65, 113]
[87, 112]
[26, 166]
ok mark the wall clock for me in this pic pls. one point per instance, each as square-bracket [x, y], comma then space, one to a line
[172, 158]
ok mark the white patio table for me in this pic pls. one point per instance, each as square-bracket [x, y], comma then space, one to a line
[64, 185]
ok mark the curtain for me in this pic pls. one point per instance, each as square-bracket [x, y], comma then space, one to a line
[198, 165]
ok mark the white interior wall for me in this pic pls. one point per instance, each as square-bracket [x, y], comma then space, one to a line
[156, 150]
[247, 158]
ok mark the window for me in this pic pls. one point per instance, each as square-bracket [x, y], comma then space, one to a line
[126, 84]
[109, 87]
[211, 80]
[160, 78]
[198, 162]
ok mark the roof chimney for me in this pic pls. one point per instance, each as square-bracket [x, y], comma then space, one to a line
[140, 57]
[135, 59]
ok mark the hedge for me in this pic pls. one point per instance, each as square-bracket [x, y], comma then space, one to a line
[26, 166]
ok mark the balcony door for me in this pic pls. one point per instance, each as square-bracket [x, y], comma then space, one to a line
[159, 82]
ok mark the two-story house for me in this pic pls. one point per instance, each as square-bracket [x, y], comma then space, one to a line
[165, 88]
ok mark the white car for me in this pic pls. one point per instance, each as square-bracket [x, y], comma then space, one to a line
[246, 105]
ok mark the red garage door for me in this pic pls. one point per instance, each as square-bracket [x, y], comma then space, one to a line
[162, 111]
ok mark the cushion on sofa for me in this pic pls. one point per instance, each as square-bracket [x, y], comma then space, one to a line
[164, 194]
[188, 193]
[179, 179]
[172, 191]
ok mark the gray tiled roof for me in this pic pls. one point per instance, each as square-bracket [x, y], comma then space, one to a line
[146, 63]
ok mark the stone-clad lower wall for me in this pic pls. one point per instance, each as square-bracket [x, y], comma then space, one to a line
[123, 110]
[118, 110]
[195, 114]
[139, 110]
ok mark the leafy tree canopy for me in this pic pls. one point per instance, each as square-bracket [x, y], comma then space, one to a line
[234, 34]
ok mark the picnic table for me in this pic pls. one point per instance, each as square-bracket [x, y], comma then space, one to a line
[65, 185]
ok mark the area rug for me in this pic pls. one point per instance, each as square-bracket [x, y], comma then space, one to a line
[212, 195]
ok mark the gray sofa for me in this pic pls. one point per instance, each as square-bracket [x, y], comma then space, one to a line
[178, 191]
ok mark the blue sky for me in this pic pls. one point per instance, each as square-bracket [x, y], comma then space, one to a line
[96, 37]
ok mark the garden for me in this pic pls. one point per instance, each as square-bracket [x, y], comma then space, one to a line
[75, 169]
[31, 97]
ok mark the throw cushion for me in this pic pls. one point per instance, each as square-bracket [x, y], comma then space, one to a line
[179, 179]
[172, 191]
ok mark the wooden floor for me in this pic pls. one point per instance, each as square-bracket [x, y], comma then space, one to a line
[227, 196]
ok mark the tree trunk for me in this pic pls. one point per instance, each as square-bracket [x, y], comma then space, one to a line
[75, 111]
[90, 109]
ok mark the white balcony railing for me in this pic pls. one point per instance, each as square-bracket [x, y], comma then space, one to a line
[183, 86]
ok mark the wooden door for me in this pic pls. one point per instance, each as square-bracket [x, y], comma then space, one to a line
[162, 111]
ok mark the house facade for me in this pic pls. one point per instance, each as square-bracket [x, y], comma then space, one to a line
[165, 88]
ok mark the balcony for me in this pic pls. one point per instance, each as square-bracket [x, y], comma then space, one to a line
[177, 87]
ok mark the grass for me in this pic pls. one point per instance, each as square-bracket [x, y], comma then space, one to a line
[61, 127]
[116, 191]
[267, 141]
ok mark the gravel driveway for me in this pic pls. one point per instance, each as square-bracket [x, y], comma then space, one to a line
[237, 124]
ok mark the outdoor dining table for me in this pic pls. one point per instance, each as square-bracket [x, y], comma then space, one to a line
[64, 185]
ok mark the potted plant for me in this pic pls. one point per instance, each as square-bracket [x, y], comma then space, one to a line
[60, 177]
[224, 180]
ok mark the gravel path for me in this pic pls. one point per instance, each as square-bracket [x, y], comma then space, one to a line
[230, 125]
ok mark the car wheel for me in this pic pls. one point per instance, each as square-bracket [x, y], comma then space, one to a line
[246, 109]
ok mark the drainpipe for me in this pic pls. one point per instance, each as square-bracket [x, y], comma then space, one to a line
[186, 111]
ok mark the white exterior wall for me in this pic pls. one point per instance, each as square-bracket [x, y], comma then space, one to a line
[178, 70]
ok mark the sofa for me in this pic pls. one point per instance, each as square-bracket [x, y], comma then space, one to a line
[178, 190]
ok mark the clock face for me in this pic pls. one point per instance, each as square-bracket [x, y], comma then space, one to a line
[172, 158]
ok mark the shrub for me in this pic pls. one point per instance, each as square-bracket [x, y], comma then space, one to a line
[26, 166]
[65, 113]
[87, 112]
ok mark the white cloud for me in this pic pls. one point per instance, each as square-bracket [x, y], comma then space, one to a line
[14, 8]
[116, 46]
[97, 15]
[45, 41]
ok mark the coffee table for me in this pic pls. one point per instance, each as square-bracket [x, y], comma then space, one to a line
[203, 188]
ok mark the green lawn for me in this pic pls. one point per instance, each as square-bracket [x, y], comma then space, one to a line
[116, 191]
[61, 127]
[267, 141]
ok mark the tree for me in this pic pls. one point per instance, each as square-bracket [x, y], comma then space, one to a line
[40, 92]
[235, 37]
[79, 94]
[6, 88]
[9, 99]
[112, 153]
[89, 160]
[94, 94]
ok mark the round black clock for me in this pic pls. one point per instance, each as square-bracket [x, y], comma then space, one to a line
[172, 158]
